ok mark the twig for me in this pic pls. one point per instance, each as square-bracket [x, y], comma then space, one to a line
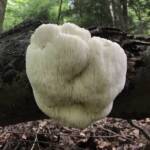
[144, 132]
[17, 146]
[75, 135]
[36, 140]
[135, 42]
[119, 135]
[6, 146]
[30, 141]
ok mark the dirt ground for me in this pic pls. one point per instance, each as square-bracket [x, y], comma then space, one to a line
[106, 134]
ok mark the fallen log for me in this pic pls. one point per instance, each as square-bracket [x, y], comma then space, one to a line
[17, 102]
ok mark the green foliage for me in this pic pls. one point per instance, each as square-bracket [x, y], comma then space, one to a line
[82, 12]
[92, 12]
[139, 12]
[19, 10]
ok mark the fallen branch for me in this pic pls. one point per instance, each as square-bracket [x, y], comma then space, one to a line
[16, 98]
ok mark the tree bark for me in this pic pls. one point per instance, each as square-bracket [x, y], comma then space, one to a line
[120, 13]
[114, 12]
[2, 13]
[106, 10]
[17, 102]
[125, 14]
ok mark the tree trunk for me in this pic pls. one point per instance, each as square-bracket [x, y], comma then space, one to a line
[2, 13]
[125, 14]
[114, 13]
[106, 9]
[17, 102]
[120, 13]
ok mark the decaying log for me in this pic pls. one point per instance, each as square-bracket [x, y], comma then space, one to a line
[16, 98]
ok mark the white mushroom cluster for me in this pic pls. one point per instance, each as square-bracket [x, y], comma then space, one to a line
[75, 77]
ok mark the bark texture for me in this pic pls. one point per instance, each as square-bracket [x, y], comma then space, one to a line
[2, 13]
[17, 103]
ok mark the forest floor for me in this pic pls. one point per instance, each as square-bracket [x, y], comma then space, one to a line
[106, 134]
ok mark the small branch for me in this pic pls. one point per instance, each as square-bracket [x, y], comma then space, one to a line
[17, 103]
[115, 134]
[135, 42]
[143, 131]
[36, 140]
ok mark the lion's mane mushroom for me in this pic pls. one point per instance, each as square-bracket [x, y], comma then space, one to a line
[75, 77]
